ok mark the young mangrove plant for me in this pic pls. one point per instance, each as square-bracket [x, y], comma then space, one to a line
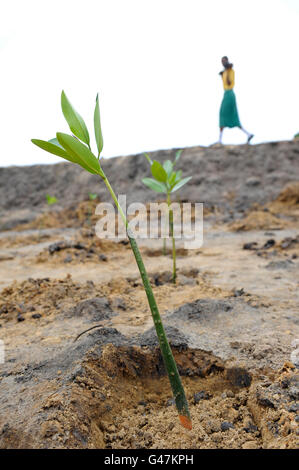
[91, 197]
[51, 200]
[76, 149]
[166, 180]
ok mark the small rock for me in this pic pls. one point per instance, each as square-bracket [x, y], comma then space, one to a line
[253, 181]
[250, 427]
[36, 315]
[142, 403]
[264, 401]
[250, 246]
[170, 402]
[294, 408]
[226, 425]
[202, 395]
[293, 392]
[239, 292]
[269, 243]
[212, 426]
[143, 423]
[118, 302]
[239, 377]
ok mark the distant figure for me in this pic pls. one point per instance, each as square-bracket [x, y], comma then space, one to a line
[228, 112]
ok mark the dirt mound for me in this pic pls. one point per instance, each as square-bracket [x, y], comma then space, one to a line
[81, 214]
[86, 248]
[280, 213]
[115, 396]
[224, 179]
[258, 220]
[39, 298]
[290, 194]
[287, 202]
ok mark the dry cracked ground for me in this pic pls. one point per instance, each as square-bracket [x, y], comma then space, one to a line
[82, 365]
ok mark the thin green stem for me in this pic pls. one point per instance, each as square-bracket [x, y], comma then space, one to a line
[172, 238]
[169, 361]
[164, 246]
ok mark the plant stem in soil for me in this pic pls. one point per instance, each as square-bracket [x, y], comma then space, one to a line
[169, 361]
[172, 239]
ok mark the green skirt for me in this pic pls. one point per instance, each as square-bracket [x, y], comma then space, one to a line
[228, 111]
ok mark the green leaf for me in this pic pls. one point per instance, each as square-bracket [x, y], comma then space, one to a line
[158, 172]
[81, 154]
[74, 120]
[54, 149]
[55, 142]
[51, 199]
[178, 176]
[97, 126]
[172, 178]
[155, 185]
[92, 196]
[177, 156]
[148, 158]
[168, 166]
[180, 183]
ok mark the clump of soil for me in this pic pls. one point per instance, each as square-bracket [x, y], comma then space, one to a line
[286, 248]
[23, 240]
[36, 298]
[86, 247]
[258, 220]
[290, 194]
[81, 214]
[117, 396]
[287, 202]
[281, 213]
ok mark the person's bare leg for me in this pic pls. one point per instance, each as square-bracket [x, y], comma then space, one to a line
[220, 135]
[249, 135]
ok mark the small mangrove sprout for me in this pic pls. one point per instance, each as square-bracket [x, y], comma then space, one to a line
[166, 180]
[51, 200]
[76, 149]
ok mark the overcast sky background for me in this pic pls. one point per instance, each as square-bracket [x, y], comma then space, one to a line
[155, 64]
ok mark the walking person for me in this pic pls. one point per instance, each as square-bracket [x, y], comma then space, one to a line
[229, 116]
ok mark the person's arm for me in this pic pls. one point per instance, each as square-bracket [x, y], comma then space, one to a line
[228, 81]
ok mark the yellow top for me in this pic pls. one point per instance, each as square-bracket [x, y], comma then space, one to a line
[230, 73]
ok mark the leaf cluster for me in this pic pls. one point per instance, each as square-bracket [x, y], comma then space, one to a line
[51, 199]
[165, 179]
[76, 147]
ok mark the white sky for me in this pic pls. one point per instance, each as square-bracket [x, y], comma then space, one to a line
[155, 64]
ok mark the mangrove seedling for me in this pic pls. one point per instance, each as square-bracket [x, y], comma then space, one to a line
[51, 199]
[91, 197]
[76, 149]
[166, 180]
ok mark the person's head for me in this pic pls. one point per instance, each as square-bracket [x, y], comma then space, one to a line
[225, 61]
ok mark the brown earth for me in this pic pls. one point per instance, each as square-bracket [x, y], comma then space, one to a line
[232, 321]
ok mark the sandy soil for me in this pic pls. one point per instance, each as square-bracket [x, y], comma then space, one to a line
[232, 321]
